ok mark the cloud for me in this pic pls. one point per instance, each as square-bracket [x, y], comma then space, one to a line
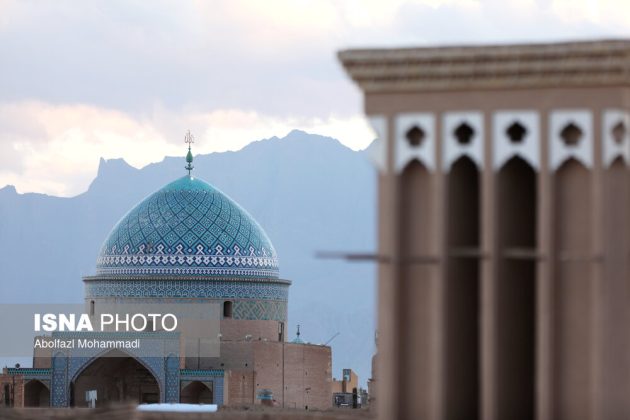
[613, 14]
[55, 149]
[250, 55]
[81, 80]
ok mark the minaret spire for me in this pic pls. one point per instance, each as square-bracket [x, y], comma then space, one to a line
[189, 139]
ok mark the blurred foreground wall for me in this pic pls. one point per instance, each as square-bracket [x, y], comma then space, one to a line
[504, 232]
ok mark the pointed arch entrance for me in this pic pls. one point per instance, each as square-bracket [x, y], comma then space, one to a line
[36, 394]
[196, 392]
[116, 376]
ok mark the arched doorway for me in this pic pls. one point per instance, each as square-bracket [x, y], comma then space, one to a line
[196, 392]
[116, 377]
[36, 394]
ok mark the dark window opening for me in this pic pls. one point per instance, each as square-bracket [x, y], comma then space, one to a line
[516, 132]
[462, 282]
[619, 132]
[516, 290]
[571, 134]
[415, 136]
[197, 392]
[464, 133]
[227, 309]
[91, 308]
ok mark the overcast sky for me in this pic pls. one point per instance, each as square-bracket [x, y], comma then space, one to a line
[82, 80]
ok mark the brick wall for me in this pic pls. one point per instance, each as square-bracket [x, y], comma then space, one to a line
[8, 380]
[308, 375]
[237, 329]
[303, 370]
[269, 369]
[298, 375]
[42, 358]
[234, 355]
[337, 386]
[240, 387]
[348, 386]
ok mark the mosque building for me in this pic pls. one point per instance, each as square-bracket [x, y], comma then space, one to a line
[188, 245]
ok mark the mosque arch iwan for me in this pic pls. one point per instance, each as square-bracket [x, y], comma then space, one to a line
[116, 377]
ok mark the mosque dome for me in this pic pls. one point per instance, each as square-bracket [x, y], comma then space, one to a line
[188, 228]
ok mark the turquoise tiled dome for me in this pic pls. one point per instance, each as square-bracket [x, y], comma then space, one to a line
[188, 228]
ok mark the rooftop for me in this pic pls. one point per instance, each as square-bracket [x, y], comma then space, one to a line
[566, 64]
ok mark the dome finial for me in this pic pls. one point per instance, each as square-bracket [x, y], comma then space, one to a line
[297, 339]
[189, 139]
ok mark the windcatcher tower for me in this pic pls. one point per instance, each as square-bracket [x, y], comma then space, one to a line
[504, 283]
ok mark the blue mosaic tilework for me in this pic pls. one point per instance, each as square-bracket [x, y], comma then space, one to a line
[60, 384]
[30, 373]
[68, 366]
[188, 228]
[186, 289]
[258, 309]
[172, 379]
[218, 391]
[155, 365]
[201, 373]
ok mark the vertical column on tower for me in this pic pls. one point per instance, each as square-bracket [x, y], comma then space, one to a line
[612, 149]
[463, 140]
[575, 263]
[419, 285]
[515, 262]
[410, 365]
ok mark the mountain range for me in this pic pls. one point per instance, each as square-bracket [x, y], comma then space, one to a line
[310, 194]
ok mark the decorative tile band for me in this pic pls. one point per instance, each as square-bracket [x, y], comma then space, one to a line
[260, 310]
[188, 271]
[28, 372]
[186, 289]
[198, 264]
[201, 372]
[166, 277]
